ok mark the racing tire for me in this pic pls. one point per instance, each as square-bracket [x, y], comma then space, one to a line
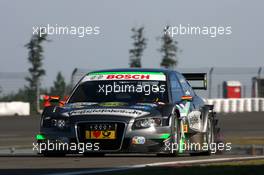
[210, 135]
[208, 138]
[175, 139]
[176, 136]
[177, 132]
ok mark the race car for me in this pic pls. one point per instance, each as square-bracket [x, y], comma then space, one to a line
[130, 111]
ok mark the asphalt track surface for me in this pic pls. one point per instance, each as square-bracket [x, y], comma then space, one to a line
[19, 132]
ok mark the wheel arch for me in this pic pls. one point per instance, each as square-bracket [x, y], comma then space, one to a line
[207, 112]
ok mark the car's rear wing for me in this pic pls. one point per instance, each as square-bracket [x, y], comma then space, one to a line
[197, 80]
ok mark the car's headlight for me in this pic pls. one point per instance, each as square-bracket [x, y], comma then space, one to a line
[59, 123]
[146, 123]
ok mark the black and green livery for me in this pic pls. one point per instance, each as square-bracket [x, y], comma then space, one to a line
[170, 113]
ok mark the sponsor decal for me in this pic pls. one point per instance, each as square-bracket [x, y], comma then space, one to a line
[80, 105]
[112, 104]
[148, 104]
[107, 134]
[141, 107]
[110, 111]
[185, 128]
[128, 76]
[158, 76]
[107, 73]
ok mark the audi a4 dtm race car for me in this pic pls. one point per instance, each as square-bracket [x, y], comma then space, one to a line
[130, 111]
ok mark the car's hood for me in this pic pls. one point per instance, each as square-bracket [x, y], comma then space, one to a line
[132, 110]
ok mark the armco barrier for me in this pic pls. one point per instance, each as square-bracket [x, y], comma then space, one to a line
[234, 105]
[240, 105]
[14, 108]
[261, 104]
[247, 105]
[255, 104]
[226, 105]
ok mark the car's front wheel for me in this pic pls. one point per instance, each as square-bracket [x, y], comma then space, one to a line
[176, 137]
[172, 145]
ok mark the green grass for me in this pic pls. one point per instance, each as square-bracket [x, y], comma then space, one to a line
[251, 167]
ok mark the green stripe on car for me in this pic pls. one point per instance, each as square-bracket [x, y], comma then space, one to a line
[107, 73]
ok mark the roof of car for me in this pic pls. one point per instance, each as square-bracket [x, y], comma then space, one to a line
[166, 71]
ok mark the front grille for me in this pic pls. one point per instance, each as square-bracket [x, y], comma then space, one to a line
[104, 144]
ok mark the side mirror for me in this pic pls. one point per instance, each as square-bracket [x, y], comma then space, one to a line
[186, 98]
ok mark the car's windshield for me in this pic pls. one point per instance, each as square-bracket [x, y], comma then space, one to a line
[147, 91]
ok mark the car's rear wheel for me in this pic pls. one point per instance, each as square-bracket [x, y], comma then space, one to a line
[209, 136]
[208, 139]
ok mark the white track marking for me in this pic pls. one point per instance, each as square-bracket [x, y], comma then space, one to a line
[183, 162]
[186, 162]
